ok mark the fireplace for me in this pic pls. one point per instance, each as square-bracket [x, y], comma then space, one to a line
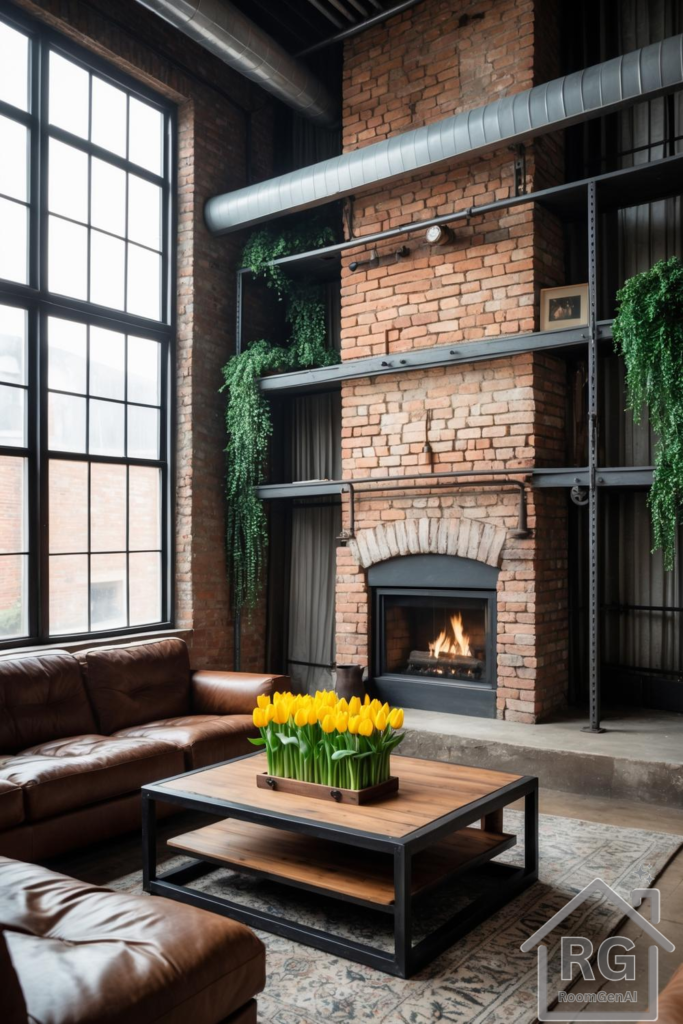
[434, 633]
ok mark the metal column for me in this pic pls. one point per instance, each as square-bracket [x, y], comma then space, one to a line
[593, 539]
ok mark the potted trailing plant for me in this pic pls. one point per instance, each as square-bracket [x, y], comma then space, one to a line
[648, 333]
[340, 748]
[247, 415]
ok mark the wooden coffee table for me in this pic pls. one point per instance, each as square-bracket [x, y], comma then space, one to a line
[383, 855]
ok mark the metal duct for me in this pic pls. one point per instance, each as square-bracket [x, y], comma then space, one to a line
[238, 42]
[602, 89]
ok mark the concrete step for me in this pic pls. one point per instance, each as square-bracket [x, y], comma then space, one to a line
[639, 757]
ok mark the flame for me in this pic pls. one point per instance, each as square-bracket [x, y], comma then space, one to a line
[459, 643]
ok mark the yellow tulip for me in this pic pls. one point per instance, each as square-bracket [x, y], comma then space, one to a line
[301, 718]
[343, 705]
[341, 721]
[367, 699]
[281, 712]
[366, 713]
[396, 718]
[258, 718]
[381, 721]
[354, 705]
[354, 723]
[263, 700]
[386, 709]
[311, 715]
[269, 712]
[328, 723]
[331, 699]
[323, 711]
[365, 727]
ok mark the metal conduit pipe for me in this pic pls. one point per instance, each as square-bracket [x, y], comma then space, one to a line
[602, 89]
[238, 42]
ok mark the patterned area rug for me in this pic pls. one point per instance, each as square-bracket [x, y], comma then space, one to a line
[483, 979]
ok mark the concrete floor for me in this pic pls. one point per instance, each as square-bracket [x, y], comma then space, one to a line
[638, 758]
[669, 883]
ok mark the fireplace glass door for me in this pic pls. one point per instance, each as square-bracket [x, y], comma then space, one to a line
[434, 635]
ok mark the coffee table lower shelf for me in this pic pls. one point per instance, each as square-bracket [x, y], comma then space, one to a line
[365, 877]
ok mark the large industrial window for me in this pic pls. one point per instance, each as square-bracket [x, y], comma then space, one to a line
[85, 343]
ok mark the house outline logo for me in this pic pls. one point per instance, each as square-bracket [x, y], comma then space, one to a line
[598, 887]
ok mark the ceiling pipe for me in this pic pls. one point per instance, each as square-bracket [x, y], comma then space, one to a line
[238, 42]
[361, 26]
[641, 75]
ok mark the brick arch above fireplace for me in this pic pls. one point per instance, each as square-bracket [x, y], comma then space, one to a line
[466, 538]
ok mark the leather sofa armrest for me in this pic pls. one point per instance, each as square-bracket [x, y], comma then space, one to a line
[232, 693]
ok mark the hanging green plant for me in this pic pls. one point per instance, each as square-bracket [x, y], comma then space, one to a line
[648, 332]
[247, 415]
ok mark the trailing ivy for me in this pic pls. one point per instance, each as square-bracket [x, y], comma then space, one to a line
[648, 332]
[248, 419]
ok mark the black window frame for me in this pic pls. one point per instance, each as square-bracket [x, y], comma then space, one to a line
[40, 304]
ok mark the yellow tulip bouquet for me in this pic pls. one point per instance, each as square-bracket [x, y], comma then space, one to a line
[338, 743]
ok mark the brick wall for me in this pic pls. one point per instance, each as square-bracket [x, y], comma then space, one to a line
[433, 61]
[214, 108]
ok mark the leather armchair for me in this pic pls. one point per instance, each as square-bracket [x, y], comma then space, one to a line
[231, 693]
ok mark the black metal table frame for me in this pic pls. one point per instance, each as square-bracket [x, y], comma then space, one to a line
[406, 958]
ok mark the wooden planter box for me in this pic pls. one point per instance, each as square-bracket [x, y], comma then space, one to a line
[319, 792]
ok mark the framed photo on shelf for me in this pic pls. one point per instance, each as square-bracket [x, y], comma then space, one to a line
[564, 307]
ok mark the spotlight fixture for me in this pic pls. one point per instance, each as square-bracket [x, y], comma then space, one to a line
[438, 234]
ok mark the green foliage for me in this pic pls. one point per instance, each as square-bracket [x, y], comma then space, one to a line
[248, 419]
[648, 332]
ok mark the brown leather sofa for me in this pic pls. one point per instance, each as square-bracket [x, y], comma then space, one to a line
[72, 953]
[80, 736]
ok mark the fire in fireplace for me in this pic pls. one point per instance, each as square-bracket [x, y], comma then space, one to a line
[435, 636]
[434, 633]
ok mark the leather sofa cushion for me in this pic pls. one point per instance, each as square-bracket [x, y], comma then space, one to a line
[203, 739]
[11, 804]
[66, 774]
[41, 697]
[121, 958]
[136, 683]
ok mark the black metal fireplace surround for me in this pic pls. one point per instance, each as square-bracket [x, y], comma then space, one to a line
[433, 635]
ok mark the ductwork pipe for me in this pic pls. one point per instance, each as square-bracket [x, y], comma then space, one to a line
[602, 89]
[238, 42]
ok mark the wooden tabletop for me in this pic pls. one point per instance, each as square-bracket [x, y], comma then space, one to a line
[428, 790]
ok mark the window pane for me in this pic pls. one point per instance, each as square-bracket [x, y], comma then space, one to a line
[68, 594]
[107, 507]
[13, 241]
[144, 505]
[69, 102]
[12, 416]
[13, 596]
[13, 159]
[106, 428]
[107, 350]
[66, 423]
[107, 591]
[13, 505]
[107, 256]
[13, 345]
[108, 205]
[68, 258]
[144, 145]
[108, 116]
[68, 181]
[68, 506]
[143, 371]
[13, 67]
[144, 212]
[144, 279]
[143, 432]
[66, 355]
[145, 588]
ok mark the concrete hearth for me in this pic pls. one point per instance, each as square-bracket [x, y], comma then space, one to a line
[638, 757]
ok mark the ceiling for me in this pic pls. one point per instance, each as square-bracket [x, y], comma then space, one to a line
[299, 24]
